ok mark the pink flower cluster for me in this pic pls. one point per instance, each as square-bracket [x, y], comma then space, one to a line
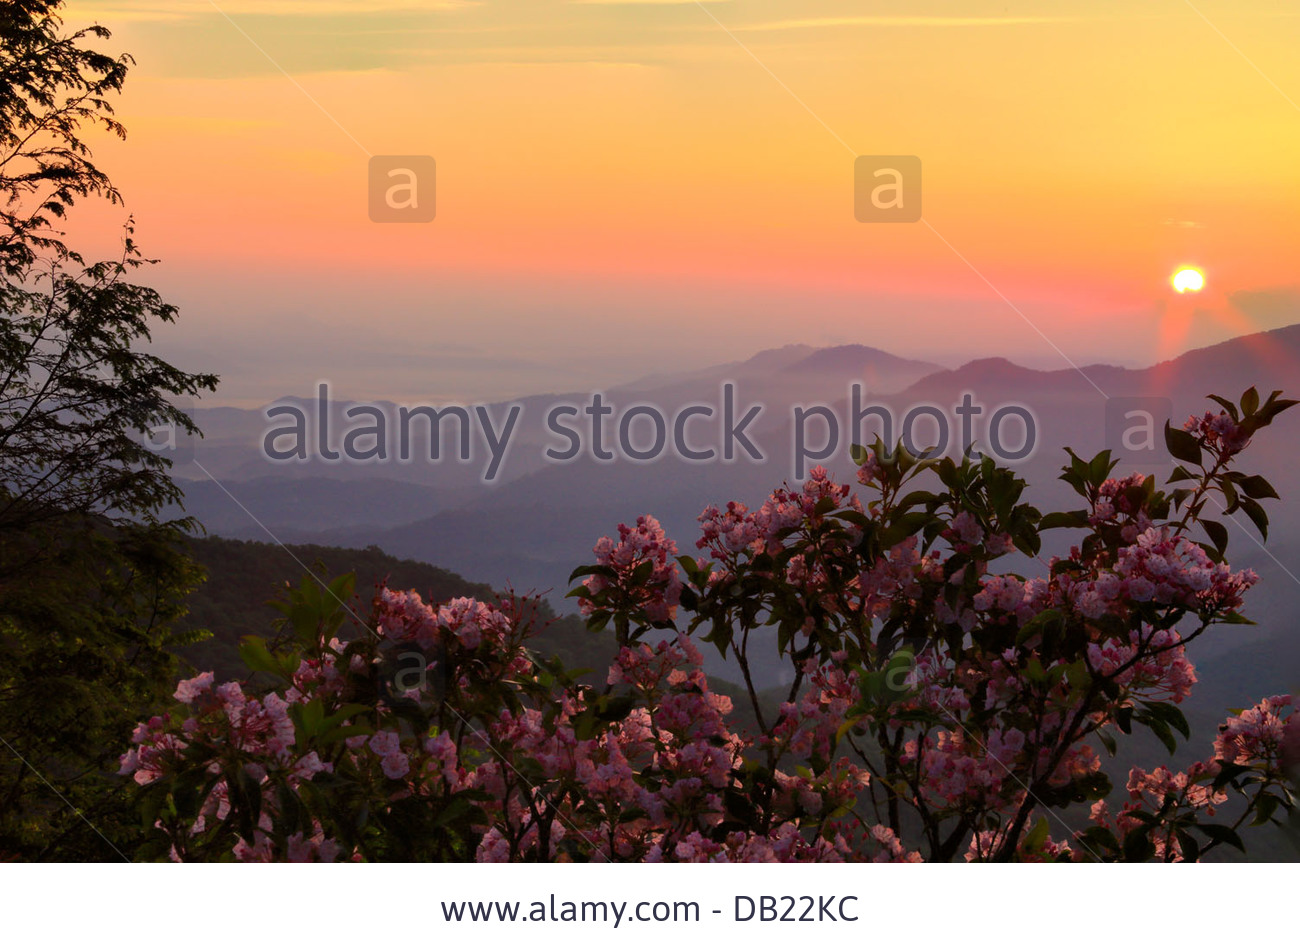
[1117, 503]
[1184, 797]
[738, 529]
[924, 686]
[954, 771]
[1150, 790]
[1148, 664]
[461, 623]
[671, 757]
[1220, 432]
[646, 543]
[987, 844]
[259, 733]
[1257, 733]
[787, 844]
[1165, 569]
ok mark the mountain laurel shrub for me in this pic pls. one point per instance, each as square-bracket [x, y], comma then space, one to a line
[938, 707]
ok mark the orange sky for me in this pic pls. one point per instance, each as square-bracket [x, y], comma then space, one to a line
[628, 185]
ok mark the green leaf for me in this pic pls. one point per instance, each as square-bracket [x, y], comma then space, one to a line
[1037, 836]
[1158, 727]
[1235, 618]
[1257, 487]
[1034, 670]
[1227, 774]
[1074, 519]
[257, 656]
[1191, 849]
[918, 497]
[1256, 513]
[614, 707]
[1227, 405]
[1182, 445]
[1171, 715]
[602, 570]
[1100, 840]
[1124, 719]
[1217, 532]
[1265, 809]
[1219, 833]
[1272, 408]
[1138, 847]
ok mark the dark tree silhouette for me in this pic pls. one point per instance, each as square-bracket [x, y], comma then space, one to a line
[92, 580]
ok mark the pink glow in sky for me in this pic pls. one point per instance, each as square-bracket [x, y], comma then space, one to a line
[628, 185]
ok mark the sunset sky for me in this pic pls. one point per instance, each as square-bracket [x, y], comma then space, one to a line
[627, 187]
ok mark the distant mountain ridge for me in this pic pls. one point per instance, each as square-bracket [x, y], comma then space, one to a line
[444, 514]
[863, 362]
[551, 515]
[231, 447]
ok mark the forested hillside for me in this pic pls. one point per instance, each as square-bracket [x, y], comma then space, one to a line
[244, 579]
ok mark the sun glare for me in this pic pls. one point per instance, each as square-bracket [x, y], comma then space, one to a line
[1187, 279]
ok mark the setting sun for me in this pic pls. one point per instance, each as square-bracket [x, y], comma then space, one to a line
[1188, 279]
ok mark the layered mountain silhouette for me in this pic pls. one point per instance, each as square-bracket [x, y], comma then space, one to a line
[540, 517]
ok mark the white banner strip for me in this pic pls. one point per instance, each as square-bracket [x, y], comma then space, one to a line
[422, 907]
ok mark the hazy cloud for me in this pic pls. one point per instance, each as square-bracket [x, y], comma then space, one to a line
[122, 10]
[902, 21]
